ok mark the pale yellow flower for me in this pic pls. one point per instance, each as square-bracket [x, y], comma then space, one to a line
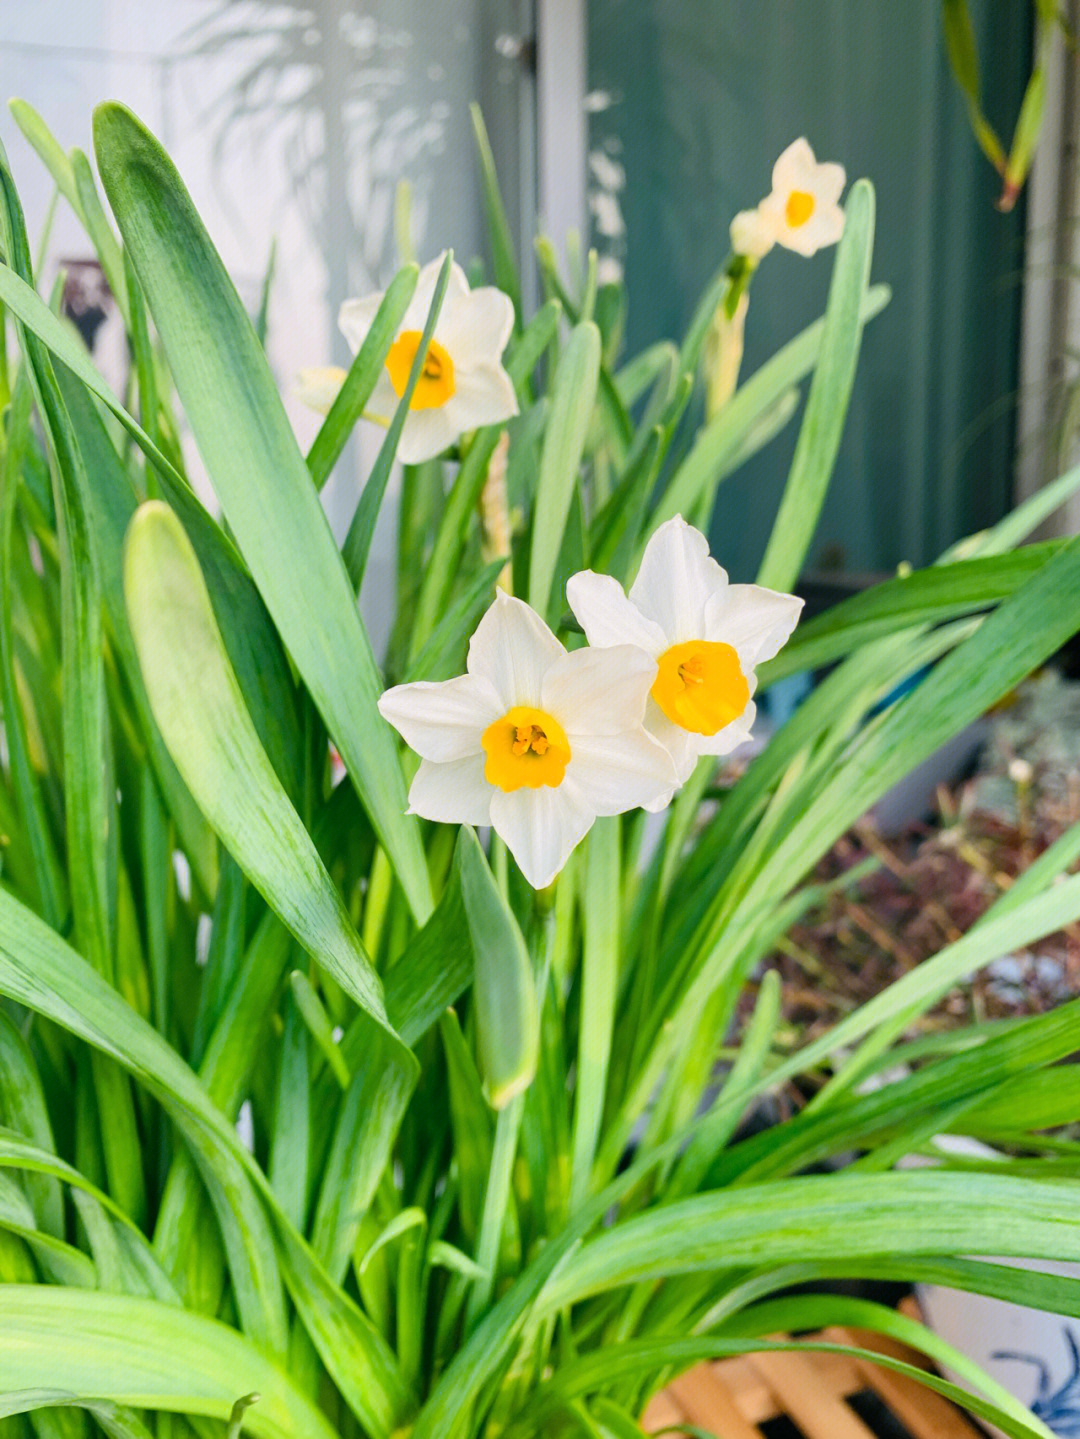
[803, 212]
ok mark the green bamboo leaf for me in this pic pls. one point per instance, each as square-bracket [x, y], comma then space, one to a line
[504, 990]
[1025, 137]
[964, 61]
[827, 403]
[360, 380]
[113, 1347]
[201, 713]
[265, 488]
[572, 402]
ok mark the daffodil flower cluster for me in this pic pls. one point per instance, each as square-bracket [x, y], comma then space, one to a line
[802, 211]
[537, 742]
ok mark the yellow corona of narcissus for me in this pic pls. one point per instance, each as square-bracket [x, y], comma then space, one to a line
[704, 636]
[803, 212]
[534, 741]
[463, 384]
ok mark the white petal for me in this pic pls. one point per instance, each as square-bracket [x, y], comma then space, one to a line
[681, 744]
[772, 213]
[598, 691]
[415, 317]
[477, 325]
[426, 434]
[318, 388]
[355, 317]
[794, 166]
[676, 579]
[603, 611]
[383, 400]
[483, 395]
[513, 649]
[442, 720]
[452, 793]
[540, 827]
[829, 183]
[731, 736]
[757, 622]
[614, 773]
[751, 235]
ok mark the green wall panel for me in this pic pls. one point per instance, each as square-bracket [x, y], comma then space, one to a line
[691, 102]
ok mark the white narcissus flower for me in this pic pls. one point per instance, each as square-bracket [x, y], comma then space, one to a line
[463, 384]
[704, 636]
[803, 211]
[751, 235]
[532, 740]
[319, 387]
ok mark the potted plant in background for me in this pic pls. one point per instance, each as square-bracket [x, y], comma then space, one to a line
[489, 1183]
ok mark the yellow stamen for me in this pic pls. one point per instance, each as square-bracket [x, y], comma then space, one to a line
[436, 383]
[800, 206]
[527, 748]
[700, 686]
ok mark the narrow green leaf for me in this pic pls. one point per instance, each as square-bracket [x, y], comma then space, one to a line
[49, 150]
[201, 713]
[723, 436]
[314, 1015]
[1025, 137]
[39, 970]
[259, 475]
[827, 403]
[110, 1346]
[363, 1139]
[923, 597]
[504, 990]
[358, 541]
[572, 402]
[356, 389]
[100, 230]
[443, 654]
[23, 1109]
[599, 990]
[502, 246]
